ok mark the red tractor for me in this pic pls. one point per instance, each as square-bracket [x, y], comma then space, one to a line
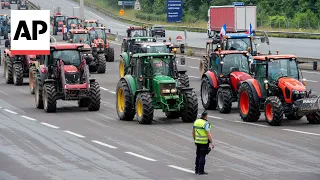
[5, 3]
[220, 84]
[57, 23]
[278, 89]
[71, 23]
[64, 74]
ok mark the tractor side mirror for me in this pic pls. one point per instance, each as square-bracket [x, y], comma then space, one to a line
[182, 61]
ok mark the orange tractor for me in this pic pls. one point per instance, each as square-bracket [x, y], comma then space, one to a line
[88, 24]
[278, 89]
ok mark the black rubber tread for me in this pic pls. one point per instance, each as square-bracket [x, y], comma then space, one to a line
[314, 118]
[205, 66]
[32, 72]
[254, 111]
[293, 116]
[227, 100]
[83, 102]
[38, 92]
[147, 108]
[102, 63]
[93, 68]
[173, 115]
[94, 97]
[9, 68]
[50, 93]
[277, 110]
[190, 112]
[184, 80]
[17, 74]
[110, 55]
[212, 103]
[129, 111]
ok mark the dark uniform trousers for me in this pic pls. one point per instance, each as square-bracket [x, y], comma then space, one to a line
[202, 150]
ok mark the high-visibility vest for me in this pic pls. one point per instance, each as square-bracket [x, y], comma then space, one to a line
[201, 136]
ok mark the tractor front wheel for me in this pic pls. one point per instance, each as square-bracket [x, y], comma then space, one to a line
[83, 102]
[101, 63]
[144, 108]
[124, 102]
[204, 66]
[110, 55]
[224, 100]
[314, 118]
[49, 95]
[8, 75]
[94, 97]
[17, 74]
[190, 111]
[273, 111]
[249, 109]
[184, 80]
[208, 94]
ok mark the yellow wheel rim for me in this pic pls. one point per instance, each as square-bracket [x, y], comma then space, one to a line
[121, 68]
[139, 108]
[120, 99]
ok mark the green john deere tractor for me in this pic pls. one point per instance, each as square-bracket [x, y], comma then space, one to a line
[153, 84]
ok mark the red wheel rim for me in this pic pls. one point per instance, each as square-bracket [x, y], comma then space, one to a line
[269, 113]
[244, 102]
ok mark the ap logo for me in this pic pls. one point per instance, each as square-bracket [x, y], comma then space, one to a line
[30, 32]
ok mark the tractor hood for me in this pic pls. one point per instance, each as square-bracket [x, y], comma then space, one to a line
[237, 77]
[70, 69]
[161, 79]
[291, 84]
[86, 47]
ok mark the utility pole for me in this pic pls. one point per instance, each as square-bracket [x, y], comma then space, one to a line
[81, 9]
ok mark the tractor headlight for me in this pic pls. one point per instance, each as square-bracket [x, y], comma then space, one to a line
[166, 91]
[173, 91]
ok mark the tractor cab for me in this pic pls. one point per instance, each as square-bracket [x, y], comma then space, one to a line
[78, 36]
[127, 43]
[5, 3]
[57, 23]
[72, 22]
[23, 4]
[69, 56]
[88, 24]
[138, 31]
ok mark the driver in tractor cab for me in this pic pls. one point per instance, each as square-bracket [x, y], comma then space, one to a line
[96, 37]
[136, 34]
[274, 70]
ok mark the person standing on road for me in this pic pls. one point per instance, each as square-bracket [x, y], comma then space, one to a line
[202, 137]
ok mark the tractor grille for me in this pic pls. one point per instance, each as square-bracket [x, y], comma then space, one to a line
[166, 86]
[297, 96]
[72, 78]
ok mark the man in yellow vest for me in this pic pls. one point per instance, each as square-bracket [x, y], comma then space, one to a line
[202, 137]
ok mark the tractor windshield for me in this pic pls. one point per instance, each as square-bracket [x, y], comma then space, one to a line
[69, 57]
[139, 33]
[84, 37]
[240, 44]
[238, 62]
[59, 18]
[93, 24]
[162, 67]
[101, 34]
[72, 21]
[282, 68]
[154, 49]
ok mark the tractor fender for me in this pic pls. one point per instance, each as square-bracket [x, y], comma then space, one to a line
[212, 78]
[225, 86]
[255, 87]
[131, 82]
[125, 57]
[183, 89]
[91, 80]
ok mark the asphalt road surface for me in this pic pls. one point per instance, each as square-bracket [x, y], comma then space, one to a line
[74, 143]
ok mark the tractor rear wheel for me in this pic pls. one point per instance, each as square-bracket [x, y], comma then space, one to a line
[173, 115]
[122, 68]
[94, 97]
[208, 93]
[204, 66]
[184, 80]
[38, 92]
[293, 116]
[17, 74]
[144, 108]
[93, 68]
[249, 109]
[8, 75]
[32, 75]
[124, 102]
[49, 95]
[190, 111]
[110, 55]
[273, 111]
[224, 100]
[314, 118]
[101, 63]
[83, 102]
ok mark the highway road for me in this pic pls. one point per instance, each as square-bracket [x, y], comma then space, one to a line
[300, 47]
[76, 144]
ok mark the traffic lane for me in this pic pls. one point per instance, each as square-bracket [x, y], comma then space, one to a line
[172, 135]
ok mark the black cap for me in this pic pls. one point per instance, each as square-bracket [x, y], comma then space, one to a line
[204, 114]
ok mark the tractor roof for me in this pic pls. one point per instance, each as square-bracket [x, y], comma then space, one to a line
[148, 43]
[78, 31]
[230, 52]
[59, 15]
[66, 46]
[274, 57]
[90, 21]
[236, 35]
[137, 27]
[72, 17]
[152, 54]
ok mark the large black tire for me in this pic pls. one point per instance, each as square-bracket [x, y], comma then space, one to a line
[144, 108]
[38, 92]
[248, 108]
[49, 95]
[273, 111]
[184, 80]
[190, 111]
[17, 74]
[102, 63]
[110, 54]
[8, 74]
[83, 102]
[224, 100]
[173, 115]
[122, 67]
[94, 97]
[314, 118]
[6, 36]
[93, 68]
[293, 117]
[32, 76]
[208, 94]
[204, 66]
[124, 101]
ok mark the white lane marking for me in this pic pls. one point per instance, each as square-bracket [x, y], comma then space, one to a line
[12, 112]
[311, 72]
[50, 125]
[192, 67]
[75, 134]
[215, 117]
[194, 77]
[251, 124]
[29, 118]
[113, 42]
[311, 80]
[105, 89]
[95, 15]
[118, 24]
[302, 132]
[181, 169]
[3, 92]
[140, 156]
[104, 144]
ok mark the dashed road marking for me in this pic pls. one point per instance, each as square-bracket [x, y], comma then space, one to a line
[215, 117]
[50, 125]
[194, 77]
[192, 67]
[311, 80]
[181, 169]
[105, 89]
[140, 156]
[75, 134]
[254, 124]
[311, 72]
[104, 144]
[3, 92]
[302, 132]
[9, 111]
[29, 118]
[113, 42]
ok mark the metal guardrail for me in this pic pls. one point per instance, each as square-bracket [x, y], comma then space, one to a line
[33, 6]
